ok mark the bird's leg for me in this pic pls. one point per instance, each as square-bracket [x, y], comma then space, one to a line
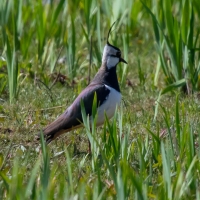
[75, 149]
[89, 147]
[89, 144]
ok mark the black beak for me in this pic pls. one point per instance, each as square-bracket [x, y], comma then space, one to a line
[122, 60]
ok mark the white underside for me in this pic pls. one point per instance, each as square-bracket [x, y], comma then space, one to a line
[109, 106]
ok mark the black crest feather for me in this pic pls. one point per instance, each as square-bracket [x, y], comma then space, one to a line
[109, 32]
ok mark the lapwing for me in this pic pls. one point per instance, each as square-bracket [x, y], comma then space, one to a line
[105, 85]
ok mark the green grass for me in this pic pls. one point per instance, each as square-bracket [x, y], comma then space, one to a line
[49, 52]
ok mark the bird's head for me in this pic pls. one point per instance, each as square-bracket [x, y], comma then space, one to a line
[111, 54]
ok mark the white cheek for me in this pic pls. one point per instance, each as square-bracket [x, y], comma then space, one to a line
[112, 62]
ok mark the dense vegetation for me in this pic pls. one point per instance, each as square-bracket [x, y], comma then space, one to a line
[50, 50]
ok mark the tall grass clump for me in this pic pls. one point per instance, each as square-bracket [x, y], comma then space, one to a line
[10, 20]
[177, 43]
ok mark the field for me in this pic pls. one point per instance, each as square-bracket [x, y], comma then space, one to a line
[50, 50]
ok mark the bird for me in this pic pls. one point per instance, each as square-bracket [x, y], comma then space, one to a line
[106, 87]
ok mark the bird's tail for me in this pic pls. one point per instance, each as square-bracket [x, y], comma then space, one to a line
[50, 133]
[62, 124]
[53, 130]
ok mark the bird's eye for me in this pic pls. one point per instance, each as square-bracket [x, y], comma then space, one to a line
[118, 54]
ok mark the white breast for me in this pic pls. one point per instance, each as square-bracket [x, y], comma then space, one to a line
[109, 105]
